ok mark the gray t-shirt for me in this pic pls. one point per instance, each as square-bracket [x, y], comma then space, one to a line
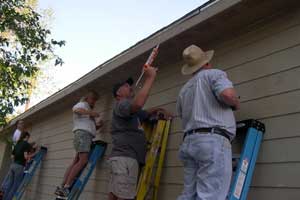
[83, 122]
[128, 137]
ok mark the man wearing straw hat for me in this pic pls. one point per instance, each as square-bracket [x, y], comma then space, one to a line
[205, 105]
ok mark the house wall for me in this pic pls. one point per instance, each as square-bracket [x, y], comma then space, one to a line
[2, 155]
[4, 159]
[264, 65]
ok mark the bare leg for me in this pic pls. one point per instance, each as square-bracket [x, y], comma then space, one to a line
[76, 159]
[111, 196]
[83, 159]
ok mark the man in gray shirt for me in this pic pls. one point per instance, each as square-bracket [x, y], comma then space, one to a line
[205, 105]
[128, 138]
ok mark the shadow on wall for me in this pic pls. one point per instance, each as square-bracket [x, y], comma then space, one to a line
[104, 134]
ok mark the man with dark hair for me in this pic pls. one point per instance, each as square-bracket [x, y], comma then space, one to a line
[128, 138]
[15, 174]
[20, 127]
[84, 131]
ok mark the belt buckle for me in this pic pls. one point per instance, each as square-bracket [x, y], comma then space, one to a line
[212, 131]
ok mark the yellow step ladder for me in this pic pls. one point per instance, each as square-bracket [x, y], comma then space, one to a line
[157, 136]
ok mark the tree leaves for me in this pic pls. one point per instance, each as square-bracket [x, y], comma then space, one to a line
[24, 43]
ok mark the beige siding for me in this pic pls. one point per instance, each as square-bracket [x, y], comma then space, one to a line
[2, 149]
[264, 65]
[3, 159]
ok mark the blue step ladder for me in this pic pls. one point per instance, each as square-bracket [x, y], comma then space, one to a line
[251, 131]
[97, 152]
[28, 174]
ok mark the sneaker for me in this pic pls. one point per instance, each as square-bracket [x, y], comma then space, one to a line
[57, 191]
[64, 192]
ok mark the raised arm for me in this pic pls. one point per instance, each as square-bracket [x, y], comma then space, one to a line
[142, 95]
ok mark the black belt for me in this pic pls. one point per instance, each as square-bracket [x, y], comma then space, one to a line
[215, 130]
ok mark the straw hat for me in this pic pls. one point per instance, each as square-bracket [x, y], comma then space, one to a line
[194, 58]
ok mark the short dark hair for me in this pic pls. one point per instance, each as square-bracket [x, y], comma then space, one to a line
[24, 135]
[117, 86]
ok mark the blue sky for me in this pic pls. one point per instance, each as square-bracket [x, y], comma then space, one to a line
[96, 30]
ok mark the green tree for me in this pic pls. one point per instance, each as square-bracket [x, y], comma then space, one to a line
[24, 43]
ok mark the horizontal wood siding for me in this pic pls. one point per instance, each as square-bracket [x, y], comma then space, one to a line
[264, 65]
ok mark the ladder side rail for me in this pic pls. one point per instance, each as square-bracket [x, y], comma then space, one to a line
[98, 153]
[150, 161]
[149, 132]
[28, 176]
[161, 159]
[85, 174]
[252, 163]
[239, 179]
